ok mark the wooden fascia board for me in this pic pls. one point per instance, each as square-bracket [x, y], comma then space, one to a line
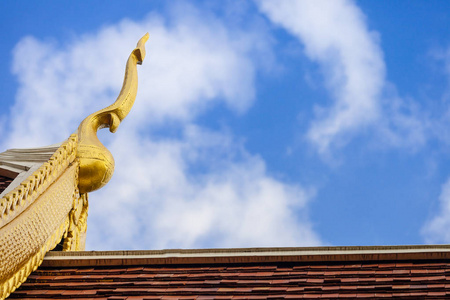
[247, 255]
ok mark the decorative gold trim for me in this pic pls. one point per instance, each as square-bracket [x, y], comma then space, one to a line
[75, 238]
[96, 162]
[16, 201]
[25, 240]
[12, 283]
[52, 203]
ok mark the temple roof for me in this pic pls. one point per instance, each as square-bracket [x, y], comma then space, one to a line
[409, 272]
[17, 164]
[4, 182]
[44, 191]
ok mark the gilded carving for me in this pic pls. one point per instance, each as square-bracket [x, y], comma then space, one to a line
[26, 238]
[96, 162]
[75, 237]
[16, 201]
[52, 204]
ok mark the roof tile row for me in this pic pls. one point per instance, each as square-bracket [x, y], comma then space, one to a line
[294, 280]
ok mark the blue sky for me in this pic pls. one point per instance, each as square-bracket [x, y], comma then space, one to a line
[266, 123]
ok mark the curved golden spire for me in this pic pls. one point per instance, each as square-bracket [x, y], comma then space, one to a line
[96, 162]
[49, 204]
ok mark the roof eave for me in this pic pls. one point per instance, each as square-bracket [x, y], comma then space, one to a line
[247, 255]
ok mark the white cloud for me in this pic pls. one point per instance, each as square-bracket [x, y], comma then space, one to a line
[336, 36]
[436, 230]
[189, 64]
[201, 189]
[231, 203]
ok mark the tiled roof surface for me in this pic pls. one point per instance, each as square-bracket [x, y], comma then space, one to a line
[4, 182]
[414, 279]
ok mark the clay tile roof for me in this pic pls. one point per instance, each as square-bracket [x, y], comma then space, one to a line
[282, 273]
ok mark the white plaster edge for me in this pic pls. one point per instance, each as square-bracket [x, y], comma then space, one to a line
[237, 252]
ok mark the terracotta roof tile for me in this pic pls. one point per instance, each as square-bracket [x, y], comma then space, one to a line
[253, 280]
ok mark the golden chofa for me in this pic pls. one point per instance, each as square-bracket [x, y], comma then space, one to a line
[46, 202]
[96, 162]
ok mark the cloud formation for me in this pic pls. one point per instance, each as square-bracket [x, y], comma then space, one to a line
[199, 188]
[165, 204]
[436, 230]
[336, 37]
[190, 65]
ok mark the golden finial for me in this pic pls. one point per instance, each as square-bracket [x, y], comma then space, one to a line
[96, 162]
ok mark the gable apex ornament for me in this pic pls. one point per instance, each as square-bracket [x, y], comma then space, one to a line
[46, 202]
[96, 162]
